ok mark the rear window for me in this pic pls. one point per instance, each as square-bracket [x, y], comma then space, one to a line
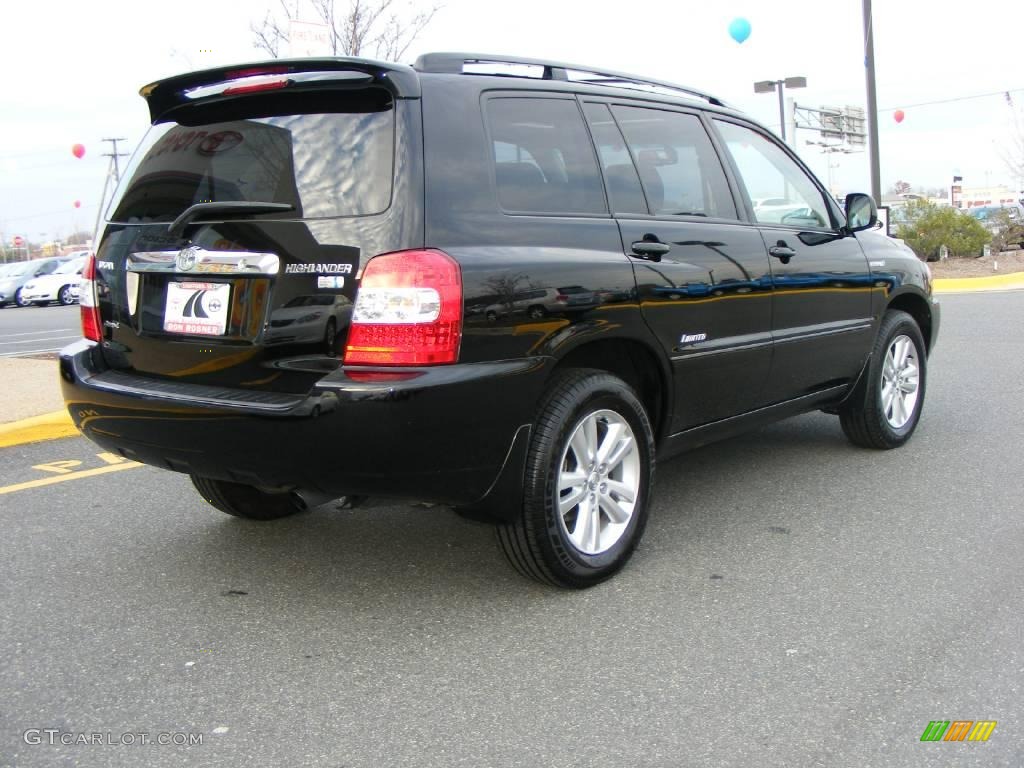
[323, 165]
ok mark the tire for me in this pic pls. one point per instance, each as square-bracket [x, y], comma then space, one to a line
[64, 296]
[578, 414]
[873, 418]
[19, 300]
[536, 312]
[491, 316]
[245, 500]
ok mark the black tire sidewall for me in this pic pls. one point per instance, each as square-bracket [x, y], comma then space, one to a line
[598, 392]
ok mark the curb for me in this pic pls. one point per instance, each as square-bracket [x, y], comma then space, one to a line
[49, 426]
[1013, 281]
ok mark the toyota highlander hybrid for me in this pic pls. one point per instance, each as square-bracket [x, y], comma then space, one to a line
[504, 285]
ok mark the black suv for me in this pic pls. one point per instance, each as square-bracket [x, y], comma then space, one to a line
[693, 280]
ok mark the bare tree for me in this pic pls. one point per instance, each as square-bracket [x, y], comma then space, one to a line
[376, 28]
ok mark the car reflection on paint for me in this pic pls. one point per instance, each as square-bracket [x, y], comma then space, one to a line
[790, 281]
[315, 319]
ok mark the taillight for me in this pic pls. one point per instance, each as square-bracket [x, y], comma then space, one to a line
[91, 326]
[408, 311]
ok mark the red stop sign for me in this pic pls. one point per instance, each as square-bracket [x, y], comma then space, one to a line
[18, 241]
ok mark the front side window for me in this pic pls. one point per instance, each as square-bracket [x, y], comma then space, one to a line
[678, 166]
[780, 191]
[543, 158]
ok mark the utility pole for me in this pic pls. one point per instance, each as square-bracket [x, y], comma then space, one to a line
[113, 155]
[113, 171]
[869, 66]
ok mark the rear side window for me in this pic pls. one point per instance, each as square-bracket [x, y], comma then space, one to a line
[323, 165]
[678, 165]
[624, 191]
[543, 158]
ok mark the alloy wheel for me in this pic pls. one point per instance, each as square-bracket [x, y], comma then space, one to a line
[598, 482]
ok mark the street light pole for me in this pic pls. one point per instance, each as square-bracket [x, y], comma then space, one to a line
[767, 86]
[869, 67]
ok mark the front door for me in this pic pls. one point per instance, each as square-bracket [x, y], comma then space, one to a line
[822, 324]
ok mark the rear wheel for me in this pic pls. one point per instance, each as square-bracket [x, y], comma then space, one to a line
[64, 295]
[884, 412]
[588, 481]
[245, 500]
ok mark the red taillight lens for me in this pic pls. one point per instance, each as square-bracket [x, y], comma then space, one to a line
[408, 311]
[91, 326]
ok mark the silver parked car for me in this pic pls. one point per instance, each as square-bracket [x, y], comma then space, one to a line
[14, 279]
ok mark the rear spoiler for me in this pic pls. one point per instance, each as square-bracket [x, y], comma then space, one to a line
[164, 95]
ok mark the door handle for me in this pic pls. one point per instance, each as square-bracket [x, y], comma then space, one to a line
[782, 252]
[652, 249]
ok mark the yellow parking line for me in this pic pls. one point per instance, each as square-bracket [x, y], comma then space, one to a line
[64, 478]
[49, 426]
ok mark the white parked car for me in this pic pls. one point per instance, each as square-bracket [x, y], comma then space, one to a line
[61, 285]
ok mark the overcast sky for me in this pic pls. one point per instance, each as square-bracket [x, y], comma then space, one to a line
[72, 71]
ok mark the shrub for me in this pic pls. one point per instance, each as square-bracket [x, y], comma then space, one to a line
[927, 227]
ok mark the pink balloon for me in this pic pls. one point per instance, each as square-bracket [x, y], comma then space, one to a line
[78, 150]
[898, 115]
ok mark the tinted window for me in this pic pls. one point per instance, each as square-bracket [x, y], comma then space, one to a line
[780, 191]
[624, 191]
[543, 158]
[324, 165]
[678, 166]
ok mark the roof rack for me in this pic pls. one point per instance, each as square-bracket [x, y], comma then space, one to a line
[454, 63]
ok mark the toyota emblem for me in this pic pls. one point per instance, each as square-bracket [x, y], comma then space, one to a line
[186, 259]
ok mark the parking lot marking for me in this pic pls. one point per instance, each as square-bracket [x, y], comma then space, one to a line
[72, 476]
[58, 467]
[112, 458]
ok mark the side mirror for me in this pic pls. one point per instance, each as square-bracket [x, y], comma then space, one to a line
[861, 212]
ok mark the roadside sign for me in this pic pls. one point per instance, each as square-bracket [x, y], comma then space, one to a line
[308, 39]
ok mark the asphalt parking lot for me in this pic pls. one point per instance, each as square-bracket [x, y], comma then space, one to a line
[795, 602]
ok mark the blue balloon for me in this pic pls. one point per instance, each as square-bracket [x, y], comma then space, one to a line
[739, 29]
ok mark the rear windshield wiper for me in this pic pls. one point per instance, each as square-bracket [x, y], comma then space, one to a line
[222, 209]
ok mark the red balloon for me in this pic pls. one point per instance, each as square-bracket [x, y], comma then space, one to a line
[78, 150]
[898, 115]
[78, 203]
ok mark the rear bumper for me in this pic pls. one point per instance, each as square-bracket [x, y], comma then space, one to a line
[449, 434]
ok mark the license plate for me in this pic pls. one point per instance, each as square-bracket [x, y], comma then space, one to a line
[197, 308]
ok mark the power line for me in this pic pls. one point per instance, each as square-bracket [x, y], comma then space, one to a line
[955, 99]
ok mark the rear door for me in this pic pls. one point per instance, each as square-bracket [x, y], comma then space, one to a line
[260, 297]
[822, 324]
[701, 273]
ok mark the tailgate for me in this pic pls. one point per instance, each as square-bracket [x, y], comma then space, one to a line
[232, 254]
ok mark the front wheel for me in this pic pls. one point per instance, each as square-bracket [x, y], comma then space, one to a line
[589, 473]
[19, 298]
[886, 407]
[245, 500]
